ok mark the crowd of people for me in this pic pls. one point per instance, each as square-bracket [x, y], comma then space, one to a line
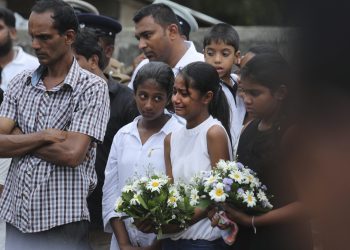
[72, 132]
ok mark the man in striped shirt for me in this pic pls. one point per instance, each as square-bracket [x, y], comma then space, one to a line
[50, 122]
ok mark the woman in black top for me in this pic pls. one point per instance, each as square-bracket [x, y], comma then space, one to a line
[264, 90]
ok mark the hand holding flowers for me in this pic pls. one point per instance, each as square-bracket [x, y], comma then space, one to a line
[154, 199]
[233, 183]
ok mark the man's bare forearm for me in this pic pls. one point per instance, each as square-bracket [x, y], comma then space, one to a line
[70, 152]
[18, 145]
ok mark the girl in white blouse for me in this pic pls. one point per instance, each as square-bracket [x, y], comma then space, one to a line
[137, 148]
[197, 97]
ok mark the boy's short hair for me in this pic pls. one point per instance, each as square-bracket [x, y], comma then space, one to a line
[8, 17]
[222, 32]
[87, 44]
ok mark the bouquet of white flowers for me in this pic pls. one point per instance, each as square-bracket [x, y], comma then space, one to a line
[233, 183]
[153, 198]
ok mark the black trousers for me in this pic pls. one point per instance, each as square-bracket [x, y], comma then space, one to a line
[72, 236]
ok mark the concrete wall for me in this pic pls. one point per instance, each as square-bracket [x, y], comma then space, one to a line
[127, 50]
[249, 36]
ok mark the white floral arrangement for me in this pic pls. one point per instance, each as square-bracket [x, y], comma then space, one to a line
[233, 183]
[155, 199]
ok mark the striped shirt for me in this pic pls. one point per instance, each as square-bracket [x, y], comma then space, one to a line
[40, 195]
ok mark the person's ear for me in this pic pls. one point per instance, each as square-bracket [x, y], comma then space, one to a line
[281, 93]
[13, 33]
[69, 36]
[238, 57]
[109, 50]
[173, 31]
[93, 62]
[208, 97]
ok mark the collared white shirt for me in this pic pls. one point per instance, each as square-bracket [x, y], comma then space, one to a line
[237, 111]
[191, 55]
[127, 158]
[22, 61]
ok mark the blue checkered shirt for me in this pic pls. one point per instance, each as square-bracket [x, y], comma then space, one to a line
[39, 195]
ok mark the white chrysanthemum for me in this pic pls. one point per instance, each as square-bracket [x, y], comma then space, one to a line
[218, 193]
[172, 201]
[134, 201]
[144, 179]
[174, 191]
[232, 165]
[267, 204]
[154, 185]
[249, 198]
[262, 196]
[119, 203]
[136, 186]
[210, 180]
[194, 198]
[237, 176]
[222, 165]
[127, 188]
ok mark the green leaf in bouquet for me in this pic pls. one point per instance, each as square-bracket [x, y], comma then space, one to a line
[127, 196]
[133, 215]
[163, 196]
[142, 202]
[152, 203]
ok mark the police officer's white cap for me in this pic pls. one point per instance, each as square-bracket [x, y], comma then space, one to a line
[80, 6]
[181, 12]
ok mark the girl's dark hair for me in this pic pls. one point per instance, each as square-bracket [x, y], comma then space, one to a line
[270, 70]
[263, 49]
[204, 77]
[159, 72]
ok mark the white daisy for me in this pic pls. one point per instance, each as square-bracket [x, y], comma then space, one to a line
[154, 185]
[194, 198]
[237, 176]
[222, 165]
[127, 188]
[144, 179]
[249, 198]
[262, 196]
[210, 180]
[172, 201]
[232, 165]
[218, 193]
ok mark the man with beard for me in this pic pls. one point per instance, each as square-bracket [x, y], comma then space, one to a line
[13, 59]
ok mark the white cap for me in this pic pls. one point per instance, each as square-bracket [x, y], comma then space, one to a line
[82, 7]
[182, 12]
